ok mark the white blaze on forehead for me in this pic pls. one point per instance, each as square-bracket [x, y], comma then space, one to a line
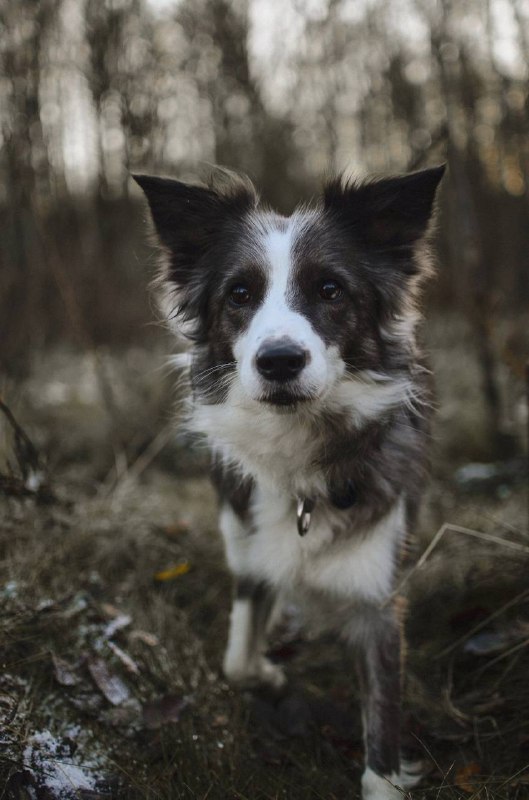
[276, 318]
[278, 254]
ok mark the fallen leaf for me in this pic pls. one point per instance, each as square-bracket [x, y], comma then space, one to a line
[76, 605]
[110, 685]
[465, 775]
[63, 672]
[144, 636]
[487, 642]
[129, 664]
[110, 610]
[172, 572]
[117, 624]
[497, 640]
[220, 721]
[162, 710]
[176, 529]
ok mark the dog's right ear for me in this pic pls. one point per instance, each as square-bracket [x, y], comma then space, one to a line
[188, 218]
[189, 221]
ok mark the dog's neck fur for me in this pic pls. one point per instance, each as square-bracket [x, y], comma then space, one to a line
[303, 454]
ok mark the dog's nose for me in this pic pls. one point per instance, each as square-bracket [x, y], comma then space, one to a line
[280, 361]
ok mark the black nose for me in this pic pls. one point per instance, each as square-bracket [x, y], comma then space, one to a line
[280, 361]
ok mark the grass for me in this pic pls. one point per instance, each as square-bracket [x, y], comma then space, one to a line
[79, 591]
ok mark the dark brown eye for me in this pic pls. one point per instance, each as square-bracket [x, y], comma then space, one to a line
[239, 295]
[330, 290]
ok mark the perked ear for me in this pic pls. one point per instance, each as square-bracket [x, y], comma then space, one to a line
[187, 218]
[390, 212]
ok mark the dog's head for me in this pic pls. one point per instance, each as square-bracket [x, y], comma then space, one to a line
[286, 309]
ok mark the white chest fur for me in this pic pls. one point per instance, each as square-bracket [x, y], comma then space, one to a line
[352, 565]
[278, 452]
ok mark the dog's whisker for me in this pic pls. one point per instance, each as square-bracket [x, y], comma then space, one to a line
[211, 370]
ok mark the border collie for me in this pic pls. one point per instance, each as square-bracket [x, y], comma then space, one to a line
[309, 387]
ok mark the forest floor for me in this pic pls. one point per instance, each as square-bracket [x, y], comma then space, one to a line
[115, 600]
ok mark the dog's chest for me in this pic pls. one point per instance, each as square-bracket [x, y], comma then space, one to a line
[330, 558]
[275, 449]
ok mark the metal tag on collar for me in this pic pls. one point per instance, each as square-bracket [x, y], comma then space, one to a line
[304, 512]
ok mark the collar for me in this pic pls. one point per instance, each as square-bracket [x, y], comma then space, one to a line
[342, 497]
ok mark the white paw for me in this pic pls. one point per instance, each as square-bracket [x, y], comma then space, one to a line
[375, 787]
[258, 672]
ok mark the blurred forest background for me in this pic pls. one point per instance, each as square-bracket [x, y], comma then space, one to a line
[114, 598]
[91, 90]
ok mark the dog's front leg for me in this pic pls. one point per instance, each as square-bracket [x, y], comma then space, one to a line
[378, 643]
[245, 662]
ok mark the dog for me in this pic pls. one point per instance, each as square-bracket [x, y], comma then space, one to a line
[309, 386]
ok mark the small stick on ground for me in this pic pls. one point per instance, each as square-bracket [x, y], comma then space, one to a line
[448, 526]
[132, 473]
[26, 453]
[33, 480]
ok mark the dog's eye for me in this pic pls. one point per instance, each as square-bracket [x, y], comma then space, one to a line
[330, 290]
[239, 295]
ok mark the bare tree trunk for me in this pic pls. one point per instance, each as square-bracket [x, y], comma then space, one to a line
[465, 235]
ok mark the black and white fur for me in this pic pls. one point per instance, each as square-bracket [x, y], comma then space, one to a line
[307, 383]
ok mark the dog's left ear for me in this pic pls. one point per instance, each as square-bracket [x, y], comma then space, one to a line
[390, 212]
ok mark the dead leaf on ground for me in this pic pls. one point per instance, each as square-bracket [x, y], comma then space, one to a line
[63, 672]
[117, 624]
[172, 572]
[465, 778]
[129, 664]
[490, 642]
[110, 685]
[110, 610]
[176, 529]
[144, 636]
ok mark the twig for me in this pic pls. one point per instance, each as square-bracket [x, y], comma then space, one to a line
[507, 653]
[448, 526]
[511, 777]
[434, 761]
[435, 541]
[34, 480]
[25, 451]
[131, 474]
[487, 537]
[459, 716]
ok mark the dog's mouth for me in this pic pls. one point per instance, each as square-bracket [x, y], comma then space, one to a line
[284, 398]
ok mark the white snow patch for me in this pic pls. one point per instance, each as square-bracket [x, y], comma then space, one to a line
[44, 757]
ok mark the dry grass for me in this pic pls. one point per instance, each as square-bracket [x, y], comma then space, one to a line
[79, 590]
